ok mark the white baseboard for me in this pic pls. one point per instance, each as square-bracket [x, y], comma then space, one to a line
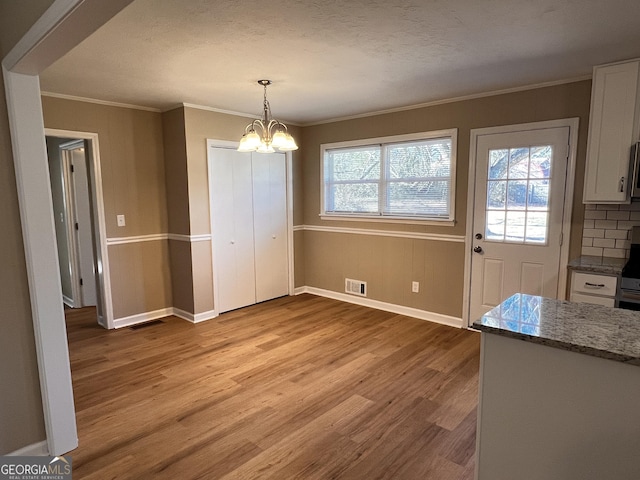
[39, 449]
[195, 318]
[343, 297]
[387, 307]
[164, 312]
[142, 317]
[67, 301]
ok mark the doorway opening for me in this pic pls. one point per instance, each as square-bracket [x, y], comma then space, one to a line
[78, 215]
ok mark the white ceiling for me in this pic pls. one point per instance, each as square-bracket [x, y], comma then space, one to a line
[337, 58]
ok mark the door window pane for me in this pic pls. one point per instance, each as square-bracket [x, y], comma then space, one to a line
[495, 225]
[496, 194]
[498, 164]
[538, 195]
[517, 195]
[536, 227]
[540, 166]
[515, 226]
[519, 163]
[518, 185]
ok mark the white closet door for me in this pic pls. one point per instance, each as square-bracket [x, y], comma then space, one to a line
[232, 228]
[270, 225]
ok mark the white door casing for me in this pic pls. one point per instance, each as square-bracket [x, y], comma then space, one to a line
[523, 252]
[102, 277]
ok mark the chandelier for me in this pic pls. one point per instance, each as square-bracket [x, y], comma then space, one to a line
[267, 134]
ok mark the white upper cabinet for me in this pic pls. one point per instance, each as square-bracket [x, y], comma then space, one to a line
[613, 129]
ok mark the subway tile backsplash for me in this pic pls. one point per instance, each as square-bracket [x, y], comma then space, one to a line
[607, 229]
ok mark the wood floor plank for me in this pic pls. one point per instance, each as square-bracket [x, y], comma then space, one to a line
[296, 388]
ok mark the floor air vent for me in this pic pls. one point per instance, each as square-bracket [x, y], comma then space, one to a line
[355, 287]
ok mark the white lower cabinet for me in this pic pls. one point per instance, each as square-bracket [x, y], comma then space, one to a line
[593, 288]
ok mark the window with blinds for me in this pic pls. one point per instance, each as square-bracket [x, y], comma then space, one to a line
[407, 177]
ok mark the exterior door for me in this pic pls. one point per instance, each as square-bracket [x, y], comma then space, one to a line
[517, 218]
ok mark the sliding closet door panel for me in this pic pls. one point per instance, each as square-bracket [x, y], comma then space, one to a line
[270, 225]
[232, 228]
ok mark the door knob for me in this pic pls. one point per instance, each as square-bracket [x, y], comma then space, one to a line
[478, 236]
[477, 249]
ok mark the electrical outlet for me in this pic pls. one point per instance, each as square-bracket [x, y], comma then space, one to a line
[121, 222]
[415, 287]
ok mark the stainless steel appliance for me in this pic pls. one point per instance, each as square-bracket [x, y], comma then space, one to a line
[628, 294]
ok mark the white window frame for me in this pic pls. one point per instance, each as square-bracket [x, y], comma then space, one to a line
[447, 221]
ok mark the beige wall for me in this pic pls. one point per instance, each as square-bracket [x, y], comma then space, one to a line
[21, 415]
[140, 277]
[390, 264]
[131, 158]
[133, 183]
[177, 181]
[175, 161]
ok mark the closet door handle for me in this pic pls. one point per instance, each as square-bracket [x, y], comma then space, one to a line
[233, 242]
[273, 236]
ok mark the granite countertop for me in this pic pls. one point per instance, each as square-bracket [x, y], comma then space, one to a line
[605, 265]
[605, 332]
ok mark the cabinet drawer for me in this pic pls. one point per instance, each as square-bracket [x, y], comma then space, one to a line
[580, 298]
[592, 284]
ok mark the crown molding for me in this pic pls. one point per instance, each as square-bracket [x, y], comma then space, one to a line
[99, 102]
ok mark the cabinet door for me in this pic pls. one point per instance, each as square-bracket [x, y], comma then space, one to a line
[270, 225]
[612, 131]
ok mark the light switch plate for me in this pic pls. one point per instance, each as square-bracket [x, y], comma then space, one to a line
[121, 222]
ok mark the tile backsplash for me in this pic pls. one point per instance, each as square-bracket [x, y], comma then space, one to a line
[607, 229]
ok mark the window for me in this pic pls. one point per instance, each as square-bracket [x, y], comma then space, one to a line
[518, 183]
[408, 177]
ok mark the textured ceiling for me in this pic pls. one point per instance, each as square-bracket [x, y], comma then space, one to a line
[332, 58]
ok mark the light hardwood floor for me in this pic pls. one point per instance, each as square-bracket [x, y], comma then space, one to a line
[296, 388]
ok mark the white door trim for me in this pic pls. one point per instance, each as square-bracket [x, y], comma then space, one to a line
[573, 124]
[105, 313]
[213, 143]
[63, 26]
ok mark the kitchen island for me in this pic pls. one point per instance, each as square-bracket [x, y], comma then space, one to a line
[559, 392]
